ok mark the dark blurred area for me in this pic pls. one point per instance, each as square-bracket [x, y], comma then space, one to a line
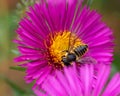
[109, 9]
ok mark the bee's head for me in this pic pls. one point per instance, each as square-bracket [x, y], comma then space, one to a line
[65, 61]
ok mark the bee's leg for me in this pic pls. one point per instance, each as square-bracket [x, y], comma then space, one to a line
[65, 51]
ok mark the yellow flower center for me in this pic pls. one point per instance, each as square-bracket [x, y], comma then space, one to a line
[60, 42]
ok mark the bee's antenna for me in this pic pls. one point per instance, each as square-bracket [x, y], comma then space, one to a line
[73, 20]
[65, 51]
[69, 41]
[73, 42]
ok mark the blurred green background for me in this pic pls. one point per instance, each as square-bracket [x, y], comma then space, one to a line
[9, 16]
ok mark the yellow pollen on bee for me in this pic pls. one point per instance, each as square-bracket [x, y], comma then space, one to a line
[60, 42]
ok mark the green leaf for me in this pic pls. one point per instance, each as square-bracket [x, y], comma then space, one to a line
[17, 91]
[116, 61]
[89, 2]
[17, 68]
[15, 52]
[114, 70]
[15, 87]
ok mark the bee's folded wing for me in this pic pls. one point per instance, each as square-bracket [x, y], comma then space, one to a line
[87, 60]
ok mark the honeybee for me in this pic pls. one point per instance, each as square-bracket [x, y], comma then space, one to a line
[76, 55]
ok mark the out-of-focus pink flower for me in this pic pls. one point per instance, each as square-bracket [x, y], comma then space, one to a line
[86, 82]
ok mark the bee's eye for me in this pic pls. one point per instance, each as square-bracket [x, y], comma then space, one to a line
[86, 46]
[65, 61]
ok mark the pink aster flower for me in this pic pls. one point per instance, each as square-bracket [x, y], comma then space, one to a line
[51, 27]
[87, 82]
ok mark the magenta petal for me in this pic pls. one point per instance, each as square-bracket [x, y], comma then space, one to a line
[39, 93]
[43, 76]
[64, 84]
[103, 73]
[27, 57]
[86, 77]
[113, 88]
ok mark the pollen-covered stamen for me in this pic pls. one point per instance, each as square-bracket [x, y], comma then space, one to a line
[58, 44]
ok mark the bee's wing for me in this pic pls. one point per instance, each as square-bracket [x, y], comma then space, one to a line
[88, 60]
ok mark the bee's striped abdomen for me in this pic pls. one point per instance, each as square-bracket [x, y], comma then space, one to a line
[80, 50]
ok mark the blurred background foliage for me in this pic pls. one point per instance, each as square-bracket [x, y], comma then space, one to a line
[10, 13]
